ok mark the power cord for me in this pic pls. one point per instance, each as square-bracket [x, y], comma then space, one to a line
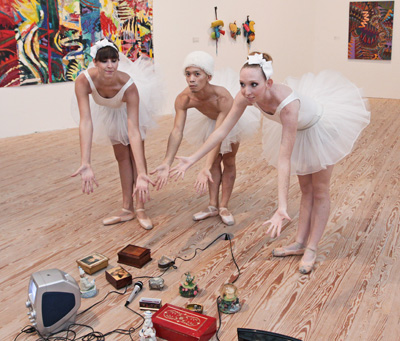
[92, 335]
[227, 237]
[98, 336]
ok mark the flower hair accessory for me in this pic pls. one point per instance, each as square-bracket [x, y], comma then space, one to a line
[99, 45]
[258, 59]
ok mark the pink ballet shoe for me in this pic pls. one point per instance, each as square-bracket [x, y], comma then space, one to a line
[227, 217]
[294, 249]
[147, 224]
[120, 218]
[306, 267]
[211, 211]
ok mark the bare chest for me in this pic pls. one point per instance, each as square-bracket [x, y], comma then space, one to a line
[209, 108]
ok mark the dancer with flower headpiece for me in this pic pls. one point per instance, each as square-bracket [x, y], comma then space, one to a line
[116, 99]
[312, 123]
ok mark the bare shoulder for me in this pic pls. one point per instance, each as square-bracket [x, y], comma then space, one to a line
[82, 83]
[131, 93]
[123, 77]
[182, 100]
[222, 93]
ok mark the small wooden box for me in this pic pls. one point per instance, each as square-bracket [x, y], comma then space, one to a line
[134, 255]
[118, 277]
[93, 263]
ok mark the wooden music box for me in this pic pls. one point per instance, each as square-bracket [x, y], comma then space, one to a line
[118, 277]
[134, 255]
[93, 263]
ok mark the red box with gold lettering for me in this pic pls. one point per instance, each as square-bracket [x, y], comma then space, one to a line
[174, 323]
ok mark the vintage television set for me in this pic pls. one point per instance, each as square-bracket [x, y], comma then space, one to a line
[53, 300]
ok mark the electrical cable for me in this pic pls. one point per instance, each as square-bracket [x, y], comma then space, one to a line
[227, 237]
[98, 336]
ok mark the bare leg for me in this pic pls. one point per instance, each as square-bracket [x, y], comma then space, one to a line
[122, 155]
[228, 174]
[306, 205]
[139, 205]
[213, 187]
[213, 191]
[319, 216]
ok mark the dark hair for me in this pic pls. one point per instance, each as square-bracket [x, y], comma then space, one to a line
[107, 52]
[266, 56]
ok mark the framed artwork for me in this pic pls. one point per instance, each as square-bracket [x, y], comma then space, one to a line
[44, 41]
[370, 30]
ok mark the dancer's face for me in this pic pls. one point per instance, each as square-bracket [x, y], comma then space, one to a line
[253, 84]
[196, 78]
[108, 67]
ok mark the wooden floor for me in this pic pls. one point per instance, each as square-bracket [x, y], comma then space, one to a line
[353, 294]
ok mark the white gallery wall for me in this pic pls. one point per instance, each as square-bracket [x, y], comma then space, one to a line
[301, 36]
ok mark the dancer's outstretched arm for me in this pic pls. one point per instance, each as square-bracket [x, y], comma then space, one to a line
[201, 184]
[238, 107]
[174, 141]
[289, 118]
[82, 90]
[135, 139]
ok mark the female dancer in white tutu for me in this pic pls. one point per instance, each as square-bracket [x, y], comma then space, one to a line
[200, 108]
[118, 112]
[319, 118]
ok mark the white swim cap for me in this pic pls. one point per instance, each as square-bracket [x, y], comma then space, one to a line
[201, 60]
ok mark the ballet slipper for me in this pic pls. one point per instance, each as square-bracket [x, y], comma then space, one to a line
[119, 219]
[147, 224]
[211, 211]
[306, 267]
[294, 249]
[227, 218]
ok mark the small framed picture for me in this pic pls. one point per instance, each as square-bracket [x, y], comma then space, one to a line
[93, 263]
[118, 277]
[119, 273]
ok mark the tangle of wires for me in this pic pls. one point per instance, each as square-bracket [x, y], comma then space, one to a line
[227, 237]
[71, 335]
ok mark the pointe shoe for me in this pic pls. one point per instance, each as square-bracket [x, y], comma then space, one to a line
[294, 249]
[228, 217]
[145, 223]
[306, 267]
[119, 219]
[211, 211]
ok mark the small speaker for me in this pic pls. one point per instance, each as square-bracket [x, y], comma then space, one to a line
[53, 300]
[245, 334]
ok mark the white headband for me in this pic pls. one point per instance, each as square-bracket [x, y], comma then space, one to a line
[258, 59]
[99, 45]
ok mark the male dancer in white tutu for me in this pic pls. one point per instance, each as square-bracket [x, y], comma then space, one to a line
[213, 104]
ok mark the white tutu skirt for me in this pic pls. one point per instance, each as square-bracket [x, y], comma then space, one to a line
[344, 116]
[110, 125]
[198, 127]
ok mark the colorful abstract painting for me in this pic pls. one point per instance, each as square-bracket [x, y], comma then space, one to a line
[370, 30]
[48, 41]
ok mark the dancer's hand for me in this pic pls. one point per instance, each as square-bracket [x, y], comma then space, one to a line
[162, 175]
[180, 169]
[88, 178]
[276, 222]
[202, 180]
[142, 187]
